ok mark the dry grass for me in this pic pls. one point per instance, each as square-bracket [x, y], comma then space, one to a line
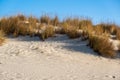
[2, 37]
[9, 25]
[21, 30]
[73, 27]
[72, 32]
[102, 46]
[118, 33]
[33, 20]
[16, 25]
[113, 29]
[72, 21]
[85, 23]
[45, 19]
[32, 25]
[98, 30]
[55, 21]
[64, 28]
[87, 27]
[21, 17]
[107, 28]
[48, 32]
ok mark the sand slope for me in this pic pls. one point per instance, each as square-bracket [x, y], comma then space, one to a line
[58, 58]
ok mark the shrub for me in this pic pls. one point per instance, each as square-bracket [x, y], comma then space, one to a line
[102, 46]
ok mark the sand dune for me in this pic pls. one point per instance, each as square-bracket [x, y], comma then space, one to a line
[57, 58]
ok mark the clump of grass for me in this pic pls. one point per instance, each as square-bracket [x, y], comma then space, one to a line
[45, 19]
[102, 46]
[2, 37]
[118, 33]
[64, 28]
[113, 29]
[33, 20]
[21, 30]
[72, 21]
[5, 25]
[21, 17]
[48, 32]
[72, 33]
[55, 21]
[107, 28]
[87, 27]
[32, 25]
[9, 25]
[85, 23]
[77, 24]
[98, 29]
[16, 25]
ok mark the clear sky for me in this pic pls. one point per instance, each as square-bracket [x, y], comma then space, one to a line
[97, 10]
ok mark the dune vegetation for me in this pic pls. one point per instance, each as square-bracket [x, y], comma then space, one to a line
[2, 39]
[97, 35]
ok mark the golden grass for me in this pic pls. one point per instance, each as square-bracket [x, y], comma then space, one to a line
[118, 33]
[72, 32]
[102, 46]
[72, 21]
[65, 28]
[21, 17]
[2, 37]
[45, 19]
[55, 21]
[107, 28]
[15, 25]
[48, 32]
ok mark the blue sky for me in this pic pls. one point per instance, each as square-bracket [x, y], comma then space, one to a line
[97, 10]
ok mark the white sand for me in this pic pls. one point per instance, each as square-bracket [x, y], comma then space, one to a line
[57, 58]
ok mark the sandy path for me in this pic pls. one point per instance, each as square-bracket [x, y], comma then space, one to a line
[57, 58]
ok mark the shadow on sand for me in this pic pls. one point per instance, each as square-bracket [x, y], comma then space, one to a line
[73, 44]
[70, 44]
[25, 38]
